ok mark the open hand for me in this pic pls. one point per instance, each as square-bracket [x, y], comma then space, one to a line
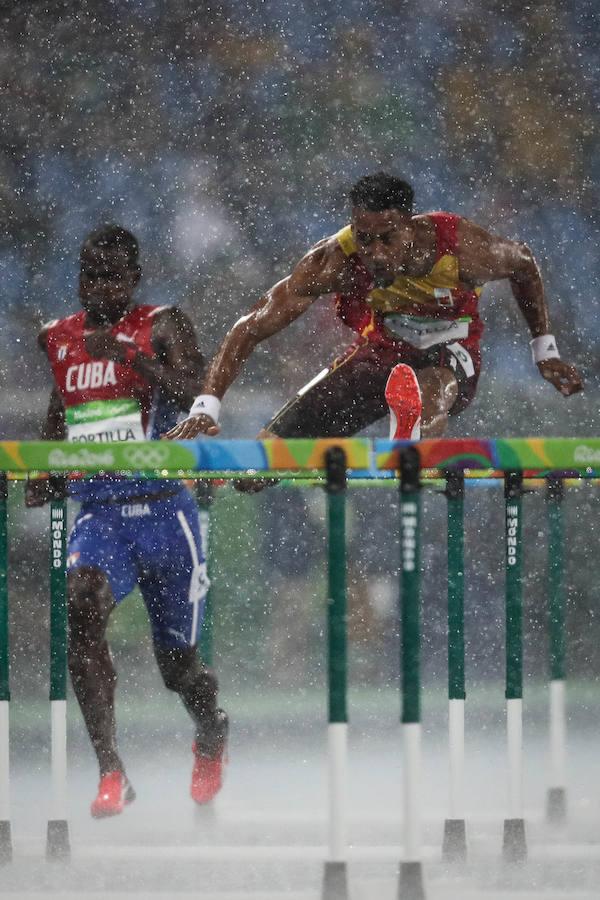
[39, 491]
[102, 344]
[192, 427]
[563, 376]
[253, 485]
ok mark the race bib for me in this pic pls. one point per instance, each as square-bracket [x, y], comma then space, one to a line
[105, 420]
[424, 333]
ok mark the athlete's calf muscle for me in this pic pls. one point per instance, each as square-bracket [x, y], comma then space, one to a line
[439, 391]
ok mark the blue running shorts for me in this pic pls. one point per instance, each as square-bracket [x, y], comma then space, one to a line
[156, 545]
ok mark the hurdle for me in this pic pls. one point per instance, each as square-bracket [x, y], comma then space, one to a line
[514, 842]
[410, 883]
[335, 878]
[454, 844]
[57, 839]
[556, 803]
[5, 829]
[335, 463]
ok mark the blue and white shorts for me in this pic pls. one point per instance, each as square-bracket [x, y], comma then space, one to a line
[155, 544]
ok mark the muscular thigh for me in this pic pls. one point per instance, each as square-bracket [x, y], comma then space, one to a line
[341, 400]
[99, 542]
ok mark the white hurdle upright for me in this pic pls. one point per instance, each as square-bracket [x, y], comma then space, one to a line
[57, 841]
[454, 846]
[556, 803]
[5, 827]
[335, 876]
[411, 884]
[515, 845]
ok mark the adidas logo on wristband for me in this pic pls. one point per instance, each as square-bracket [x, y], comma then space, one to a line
[206, 405]
[544, 347]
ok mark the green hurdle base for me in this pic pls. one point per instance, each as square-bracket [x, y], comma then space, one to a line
[335, 881]
[454, 846]
[514, 846]
[57, 841]
[556, 806]
[410, 882]
[5, 843]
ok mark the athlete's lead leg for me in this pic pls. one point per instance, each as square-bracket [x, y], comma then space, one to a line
[403, 396]
[419, 403]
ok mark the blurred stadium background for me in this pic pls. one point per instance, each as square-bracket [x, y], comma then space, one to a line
[226, 135]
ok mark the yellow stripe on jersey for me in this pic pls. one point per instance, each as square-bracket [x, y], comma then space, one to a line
[444, 276]
[346, 240]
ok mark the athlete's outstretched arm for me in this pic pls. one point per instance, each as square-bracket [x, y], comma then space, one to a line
[178, 367]
[484, 257]
[316, 274]
[41, 490]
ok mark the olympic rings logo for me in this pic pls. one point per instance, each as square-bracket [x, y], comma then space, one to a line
[146, 457]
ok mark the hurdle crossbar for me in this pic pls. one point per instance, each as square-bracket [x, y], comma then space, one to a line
[576, 457]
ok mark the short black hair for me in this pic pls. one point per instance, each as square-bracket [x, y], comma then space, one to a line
[114, 236]
[382, 191]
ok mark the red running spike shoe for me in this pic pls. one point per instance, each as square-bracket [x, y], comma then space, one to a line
[403, 396]
[207, 775]
[114, 793]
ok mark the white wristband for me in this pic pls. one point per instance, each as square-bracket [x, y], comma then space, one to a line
[544, 347]
[206, 405]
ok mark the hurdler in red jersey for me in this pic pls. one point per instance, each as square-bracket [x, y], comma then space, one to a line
[106, 400]
[82, 379]
[417, 322]
[379, 314]
[409, 286]
[121, 373]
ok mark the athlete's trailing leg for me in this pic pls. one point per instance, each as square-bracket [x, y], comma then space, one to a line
[183, 673]
[94, 680]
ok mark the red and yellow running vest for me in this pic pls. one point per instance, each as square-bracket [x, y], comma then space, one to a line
[392, 314]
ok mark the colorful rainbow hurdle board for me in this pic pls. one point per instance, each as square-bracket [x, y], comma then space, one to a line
[220, 458]
[335, 462]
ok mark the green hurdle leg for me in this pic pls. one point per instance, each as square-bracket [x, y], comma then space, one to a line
[5, 830]
[335, 885]
[57, 845]
[410, 885]
[556, 806]
[514, 846]
[454, 848]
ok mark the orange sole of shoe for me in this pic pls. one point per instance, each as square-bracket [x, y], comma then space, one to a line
[403, 396]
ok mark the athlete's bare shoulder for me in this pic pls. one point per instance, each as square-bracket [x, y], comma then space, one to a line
[321, 270]
[484, 256]
[170, 322]
[470, 233]
[422, 218]
[44, 331]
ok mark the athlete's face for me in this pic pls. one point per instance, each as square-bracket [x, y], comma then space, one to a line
[106, 283]
[385, 241]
